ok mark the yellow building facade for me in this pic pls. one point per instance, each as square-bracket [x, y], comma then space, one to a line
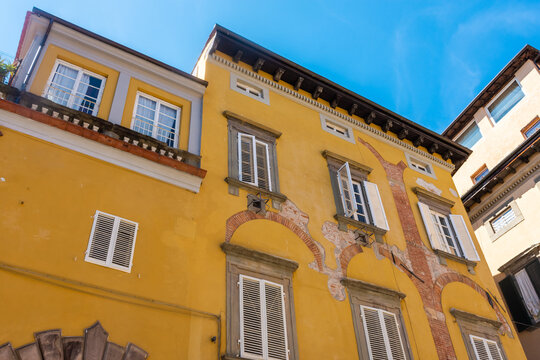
[251, 210]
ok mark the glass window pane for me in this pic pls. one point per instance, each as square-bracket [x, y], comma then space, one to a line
[470, 136]
[62, 84]
[506, 101]
[87, 93]
[532, 130]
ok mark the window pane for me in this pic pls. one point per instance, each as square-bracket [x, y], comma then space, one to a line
[470, 136]
[532, 130]
[361, 214]
[62, 84]
[87, 94]
[506, 101]
[145, 115]
[167, 125]
[481, 175]
[502, 220]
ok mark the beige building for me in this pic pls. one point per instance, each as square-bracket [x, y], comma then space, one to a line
[500, 185]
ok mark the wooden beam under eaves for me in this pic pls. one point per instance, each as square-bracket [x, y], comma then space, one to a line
[371, 117]
[335, 102]
[353, 109]
[277, 75]
[238, 56]
[298, 83]
[258, 64]
[318, 91]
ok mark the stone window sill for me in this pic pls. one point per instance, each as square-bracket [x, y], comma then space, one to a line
[344, 221]
[235, 184]
[443, 255]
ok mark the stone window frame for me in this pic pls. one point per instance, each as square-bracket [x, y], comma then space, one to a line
[327, 119]
[379, 297]
[240, 124]
[359, 172]
[444, 206]
[243, 261]
[265, 93]
[471, 324]
[412, 159]
[493, 236]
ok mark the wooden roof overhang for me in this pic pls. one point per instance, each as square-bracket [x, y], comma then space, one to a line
[500, 80]
[507, 166]
[300, 78]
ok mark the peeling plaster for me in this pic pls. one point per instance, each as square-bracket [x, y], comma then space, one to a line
[428, 186]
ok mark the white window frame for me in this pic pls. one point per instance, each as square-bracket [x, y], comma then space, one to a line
[485, 342]
[108, 263]
[471, 123]
[155, 121]
[380, 313]
[325, 120]
[458, 251]
[264, 332]
[254, 143]
[486, 107]
[509, 226]
[80, 71]
[413, 163]
[264, 93]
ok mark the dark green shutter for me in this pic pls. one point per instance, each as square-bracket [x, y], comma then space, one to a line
[514, 302]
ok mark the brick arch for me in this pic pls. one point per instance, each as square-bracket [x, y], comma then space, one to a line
[93, 345]
[451, 277]
[240, 218]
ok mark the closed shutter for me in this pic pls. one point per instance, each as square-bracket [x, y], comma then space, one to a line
[346, 190]
[246, 162]
[515, 303]
[485, 349]
[263, 166]
[112, 241]
[431, 228]
[263, 332]
[464, 237]
[375, 205]
[382, 333]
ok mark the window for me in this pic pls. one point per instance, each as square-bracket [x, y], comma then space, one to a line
[378, 324]
[249, 88]
[360, 199]
[74, 87]
[156, 118]
[337, 128]
[480, 335]
[505, 101]
[420, 166]
[260, 315]
[470, 136]
[480, 174]
[521, 289]
[503, 220]
[447, 232]
[112, 242]
[485, 349]
[531, 128]
[252, 157]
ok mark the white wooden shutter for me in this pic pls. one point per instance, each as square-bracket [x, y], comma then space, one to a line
[251, 333]
[112, 241]
[375, 205]
[431, 228]
[485, 349]
[263, 333]
[464, 237]
[382, 334]
[346, 190]
[263, 165]
[246, 161]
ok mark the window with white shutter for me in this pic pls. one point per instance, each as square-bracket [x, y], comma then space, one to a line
[254, 161]
[485, 349]
[263, 333]
[112, 242]
[382, 334]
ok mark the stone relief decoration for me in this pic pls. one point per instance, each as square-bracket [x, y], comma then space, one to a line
[94, 345]
[429, 186]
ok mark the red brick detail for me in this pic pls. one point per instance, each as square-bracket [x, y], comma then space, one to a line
[243, 217]
[346, 255]
[101, 138]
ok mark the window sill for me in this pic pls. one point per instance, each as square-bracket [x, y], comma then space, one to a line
[232, 357]
[235, 184]
[344, 221]
[443, 255]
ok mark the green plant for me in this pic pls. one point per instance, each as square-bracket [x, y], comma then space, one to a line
[6, 69]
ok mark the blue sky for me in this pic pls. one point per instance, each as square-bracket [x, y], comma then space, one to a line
[425, 60]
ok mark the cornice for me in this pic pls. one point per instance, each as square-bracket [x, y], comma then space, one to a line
[332, 155]
[250, 254]
[321, 107]
[472, 318]
[434, 197]
[363, 286]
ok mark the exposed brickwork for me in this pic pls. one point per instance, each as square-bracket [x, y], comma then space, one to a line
[100, 138]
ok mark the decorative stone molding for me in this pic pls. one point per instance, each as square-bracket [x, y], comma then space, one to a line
[465, 316]
[94, 345]
[240, 251]
[232, 116]
[429, 197]
[363, 286]
[329, 156]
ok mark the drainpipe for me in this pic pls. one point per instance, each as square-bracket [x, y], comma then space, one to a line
[38, 52]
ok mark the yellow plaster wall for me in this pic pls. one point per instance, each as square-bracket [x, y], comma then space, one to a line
[136, 85]
[46, 67]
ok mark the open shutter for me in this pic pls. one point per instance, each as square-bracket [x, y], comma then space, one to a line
[246, 162]
[263, 166]
[124, 244]
[464, 237]
[100, 238]
[479, 348]
[375, 205]
[346, 190]
[533, 270]
[251, 334]
[515, 303]
[433, 235]
[394, 337]
[275, 322]
[374, 333]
